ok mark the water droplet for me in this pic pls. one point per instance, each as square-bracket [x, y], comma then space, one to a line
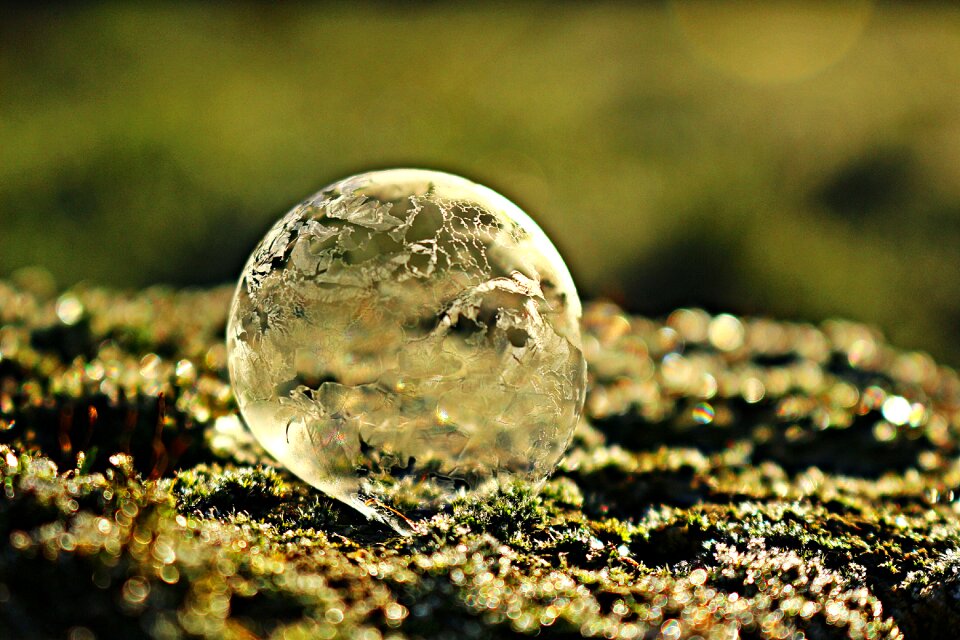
[726, 332]
[897, 410]
[753, 390]
[703, 413]
[69, 309]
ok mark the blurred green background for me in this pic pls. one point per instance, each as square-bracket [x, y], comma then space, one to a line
[797, 160]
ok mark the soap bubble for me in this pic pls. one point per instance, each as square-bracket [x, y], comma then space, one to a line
[404, 336]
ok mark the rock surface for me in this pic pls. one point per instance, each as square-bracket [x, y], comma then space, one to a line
[734, 477]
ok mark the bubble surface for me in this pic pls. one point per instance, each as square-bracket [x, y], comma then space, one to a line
[404, 336]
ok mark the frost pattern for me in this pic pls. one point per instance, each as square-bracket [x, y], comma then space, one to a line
[403, 335]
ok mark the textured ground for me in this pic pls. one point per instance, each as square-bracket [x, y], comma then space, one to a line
[735, 476]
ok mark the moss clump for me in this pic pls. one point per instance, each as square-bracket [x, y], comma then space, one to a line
[717, 488]
[510, 514]
[217, 492]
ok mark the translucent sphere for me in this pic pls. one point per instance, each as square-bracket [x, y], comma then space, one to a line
[406, 335]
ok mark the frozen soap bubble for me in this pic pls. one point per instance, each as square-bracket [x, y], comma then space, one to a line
[405, 335]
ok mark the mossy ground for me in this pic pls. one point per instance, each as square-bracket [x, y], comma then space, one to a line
[733, 478]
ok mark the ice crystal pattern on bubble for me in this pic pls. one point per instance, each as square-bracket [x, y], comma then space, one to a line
[404, 335]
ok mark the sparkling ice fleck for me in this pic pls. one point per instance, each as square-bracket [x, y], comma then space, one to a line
[69, 309]
[405, 335]
[703, 413]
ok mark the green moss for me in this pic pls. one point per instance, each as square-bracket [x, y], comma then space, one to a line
[129, 499]
[215, 491]
[511, 514]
